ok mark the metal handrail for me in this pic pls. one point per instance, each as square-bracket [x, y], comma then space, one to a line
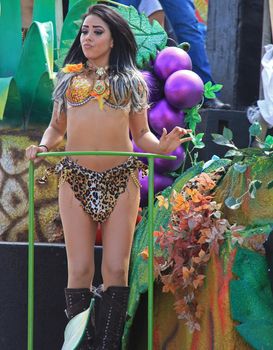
[150, 157]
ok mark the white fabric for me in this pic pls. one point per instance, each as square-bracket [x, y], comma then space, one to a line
[253, 114]
[266, 105]
[149, 7]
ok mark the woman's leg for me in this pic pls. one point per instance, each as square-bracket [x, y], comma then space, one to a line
[117, 239]
[118, 232]
[80, 234]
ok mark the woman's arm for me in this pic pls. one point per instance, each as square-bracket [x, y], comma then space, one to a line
[56, 130]
[52, 136]
[148, 142]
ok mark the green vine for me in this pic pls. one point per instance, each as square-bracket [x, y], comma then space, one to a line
[192, 118]
[242, 157]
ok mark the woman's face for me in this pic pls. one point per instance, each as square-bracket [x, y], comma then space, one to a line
[96, 40]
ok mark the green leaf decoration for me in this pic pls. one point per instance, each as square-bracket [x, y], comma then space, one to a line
[209, 94]
[209, 89]
[173, 174]
[185, 46]
[72, 3]
[42, 101]
[192, 118]
[270, 185]
[217, 87]
[233, 203]
[11, 37]
[208, 85]
[75, 329]
[48, 10]
[197, 140]
[268, 142]
[240, 168]
[233, 153]
[221, 140]
[255, 129]
[251, 299]
[36, 59]
[149, 37]
[10, 103]
[253, 187]
[227, 133]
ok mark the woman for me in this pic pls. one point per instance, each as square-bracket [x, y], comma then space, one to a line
[99, 97]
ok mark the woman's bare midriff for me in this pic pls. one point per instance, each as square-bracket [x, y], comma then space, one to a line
[92, 129]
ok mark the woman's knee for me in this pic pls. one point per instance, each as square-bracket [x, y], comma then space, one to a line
[114, 272]
[80, 271]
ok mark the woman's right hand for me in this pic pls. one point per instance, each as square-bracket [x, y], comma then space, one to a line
[32, 150]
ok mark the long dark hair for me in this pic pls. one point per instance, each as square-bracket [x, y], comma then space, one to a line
[125, 80]
[123, 53]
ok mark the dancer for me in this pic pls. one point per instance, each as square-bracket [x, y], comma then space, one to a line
[99, 97]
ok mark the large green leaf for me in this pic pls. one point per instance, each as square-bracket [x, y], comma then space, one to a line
[11, 37]
[255, 129]
[209, 89]
[72, 3]
[251, 299]
[149, 37]
[268, 142]
[75, 329]
[10, 103]
[49, 10]
[42, 105]
[221, 140]
[36, 59]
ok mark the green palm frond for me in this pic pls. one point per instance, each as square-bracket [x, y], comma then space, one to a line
[36, 59]
[10, 38]
[10, 103]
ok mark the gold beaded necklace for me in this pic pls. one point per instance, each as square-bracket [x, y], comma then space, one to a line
[101, 88]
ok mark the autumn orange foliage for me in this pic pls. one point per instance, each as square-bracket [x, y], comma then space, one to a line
[195, 231]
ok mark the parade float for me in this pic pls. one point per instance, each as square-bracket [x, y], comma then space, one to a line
[212, 219]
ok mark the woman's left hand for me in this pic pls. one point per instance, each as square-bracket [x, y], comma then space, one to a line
[169, 142]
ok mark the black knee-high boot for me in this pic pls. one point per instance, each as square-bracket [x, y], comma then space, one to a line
[111, 319]
[77, 301]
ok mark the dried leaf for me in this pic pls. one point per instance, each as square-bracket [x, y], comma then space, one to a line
[145, 254]
[162, 201]
[198, 282]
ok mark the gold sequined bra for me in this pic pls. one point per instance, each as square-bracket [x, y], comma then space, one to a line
[80, 91]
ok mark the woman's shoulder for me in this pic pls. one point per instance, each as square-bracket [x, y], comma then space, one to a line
[139, 92]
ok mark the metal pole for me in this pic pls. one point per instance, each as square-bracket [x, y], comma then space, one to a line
[151, 253]
[31, 256]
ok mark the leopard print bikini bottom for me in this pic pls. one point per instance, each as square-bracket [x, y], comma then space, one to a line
[97, 191]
